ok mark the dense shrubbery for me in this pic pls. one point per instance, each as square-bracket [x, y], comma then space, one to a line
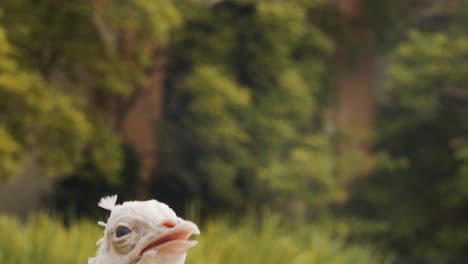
[46, 240]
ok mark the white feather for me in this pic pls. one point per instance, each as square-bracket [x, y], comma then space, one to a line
[108, 202]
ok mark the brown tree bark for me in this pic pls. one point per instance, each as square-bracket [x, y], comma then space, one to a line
[355, 72]
[139, 122]
[136, 116]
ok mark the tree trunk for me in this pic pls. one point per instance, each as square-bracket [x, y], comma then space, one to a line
[135, 116]
[139, 122]
[355, 69]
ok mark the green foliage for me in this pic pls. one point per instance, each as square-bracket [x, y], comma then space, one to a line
[45, 240]
[432, 64]
[419, 188]
[387, 19]
[214, 115]
[243, 94]
[457, 190]
[104, 157]
[63, 65]
[10, 161]
[153, 20]
[272, 243]
[37, 119]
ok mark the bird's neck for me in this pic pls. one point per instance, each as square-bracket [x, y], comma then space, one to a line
[147, 259]
[108, 259]
[178, 258]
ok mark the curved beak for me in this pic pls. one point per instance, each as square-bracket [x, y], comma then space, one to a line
[174, 240]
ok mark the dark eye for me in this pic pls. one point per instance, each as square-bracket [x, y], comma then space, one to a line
[121, 231]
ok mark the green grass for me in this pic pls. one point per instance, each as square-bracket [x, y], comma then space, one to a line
[45, 240]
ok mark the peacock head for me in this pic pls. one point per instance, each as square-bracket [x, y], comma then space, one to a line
[142, 233]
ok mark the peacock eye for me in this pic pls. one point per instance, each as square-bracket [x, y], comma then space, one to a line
[121, 231]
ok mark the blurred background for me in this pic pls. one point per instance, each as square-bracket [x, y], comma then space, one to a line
[344, 121]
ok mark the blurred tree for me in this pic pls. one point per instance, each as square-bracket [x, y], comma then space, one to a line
[355, 71]
[418, 191]
[241, 107]
[138, 31]
[37, 120]
[53, 39]
[105, 57]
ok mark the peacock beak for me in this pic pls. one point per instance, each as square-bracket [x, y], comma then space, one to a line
[174, 240]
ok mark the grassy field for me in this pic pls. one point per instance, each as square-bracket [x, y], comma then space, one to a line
[45, 240]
